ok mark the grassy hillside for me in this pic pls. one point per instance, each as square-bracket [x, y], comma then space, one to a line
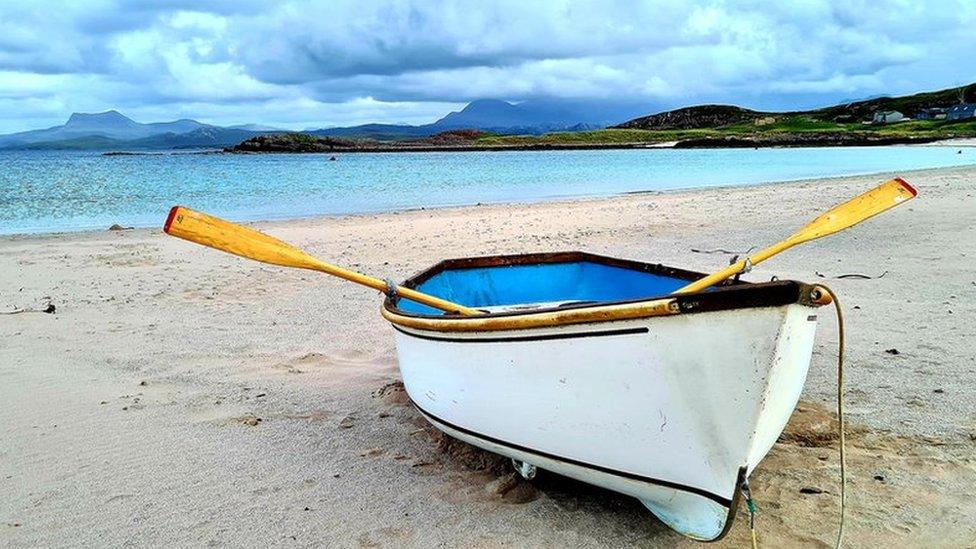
[761, 128]
[909, 105]
[724, 121]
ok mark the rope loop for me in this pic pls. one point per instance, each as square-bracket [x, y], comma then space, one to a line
[751, 507]
[750, 503]
[391, 289]
[840, 414]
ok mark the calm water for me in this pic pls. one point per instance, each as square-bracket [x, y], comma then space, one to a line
[43, 191]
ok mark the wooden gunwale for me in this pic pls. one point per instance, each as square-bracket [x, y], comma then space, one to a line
[730, 294]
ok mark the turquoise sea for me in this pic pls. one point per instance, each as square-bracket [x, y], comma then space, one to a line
[45, 191]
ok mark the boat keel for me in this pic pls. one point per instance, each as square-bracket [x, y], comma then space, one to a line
[690, 511]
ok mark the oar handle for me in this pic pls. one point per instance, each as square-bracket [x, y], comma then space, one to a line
[225, 236]
[713, 279]
[737, 267]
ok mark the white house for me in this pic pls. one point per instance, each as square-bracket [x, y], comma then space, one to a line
[887, 117]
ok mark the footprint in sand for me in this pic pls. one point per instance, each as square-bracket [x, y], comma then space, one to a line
[341, 365]
[512, 489]
[393, 393]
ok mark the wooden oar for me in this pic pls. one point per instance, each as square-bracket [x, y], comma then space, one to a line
[850, 213]
[233, 238]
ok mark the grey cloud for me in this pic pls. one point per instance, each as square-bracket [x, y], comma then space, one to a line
[346, 39]
[224, 56]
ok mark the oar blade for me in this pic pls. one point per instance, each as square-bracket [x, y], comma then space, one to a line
[225, 236]
[850, 213]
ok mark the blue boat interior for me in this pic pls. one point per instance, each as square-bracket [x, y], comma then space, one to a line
[507, 285]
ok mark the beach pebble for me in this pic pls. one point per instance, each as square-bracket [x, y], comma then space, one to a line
[810, 490]
[893, 351]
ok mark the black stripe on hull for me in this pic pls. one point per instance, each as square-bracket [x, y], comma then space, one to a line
[723, 501]
[544, 337]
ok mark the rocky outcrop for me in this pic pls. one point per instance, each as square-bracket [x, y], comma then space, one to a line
[689, 118]
[297, 143]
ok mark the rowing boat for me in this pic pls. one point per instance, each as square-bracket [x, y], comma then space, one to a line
[660, 383]
[589, 367]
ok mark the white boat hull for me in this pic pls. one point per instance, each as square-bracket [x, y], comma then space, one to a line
[673, 410]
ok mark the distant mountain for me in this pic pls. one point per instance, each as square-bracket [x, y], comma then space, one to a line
[483, 114]
[493, 113]
[109, 124]
[202, 137]
[112, 129]
[532, 117]
[88, 142]
[716, 116]
[379, 132]
[538, 115]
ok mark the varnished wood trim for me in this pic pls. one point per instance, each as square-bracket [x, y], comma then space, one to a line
[561, 317]
[731, 294]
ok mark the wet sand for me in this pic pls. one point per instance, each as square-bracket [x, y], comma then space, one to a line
[181, 396]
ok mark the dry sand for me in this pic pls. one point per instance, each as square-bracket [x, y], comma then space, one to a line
[180, 396]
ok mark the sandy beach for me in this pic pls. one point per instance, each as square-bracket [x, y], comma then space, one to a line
[183, 397]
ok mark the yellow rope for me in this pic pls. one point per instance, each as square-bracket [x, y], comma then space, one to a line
[751, 507]
[840, 414]
[840, 428]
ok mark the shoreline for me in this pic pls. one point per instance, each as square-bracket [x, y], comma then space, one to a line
[299, 143]
[553, 200]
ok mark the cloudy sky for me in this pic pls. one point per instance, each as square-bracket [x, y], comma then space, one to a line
[312, 64]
